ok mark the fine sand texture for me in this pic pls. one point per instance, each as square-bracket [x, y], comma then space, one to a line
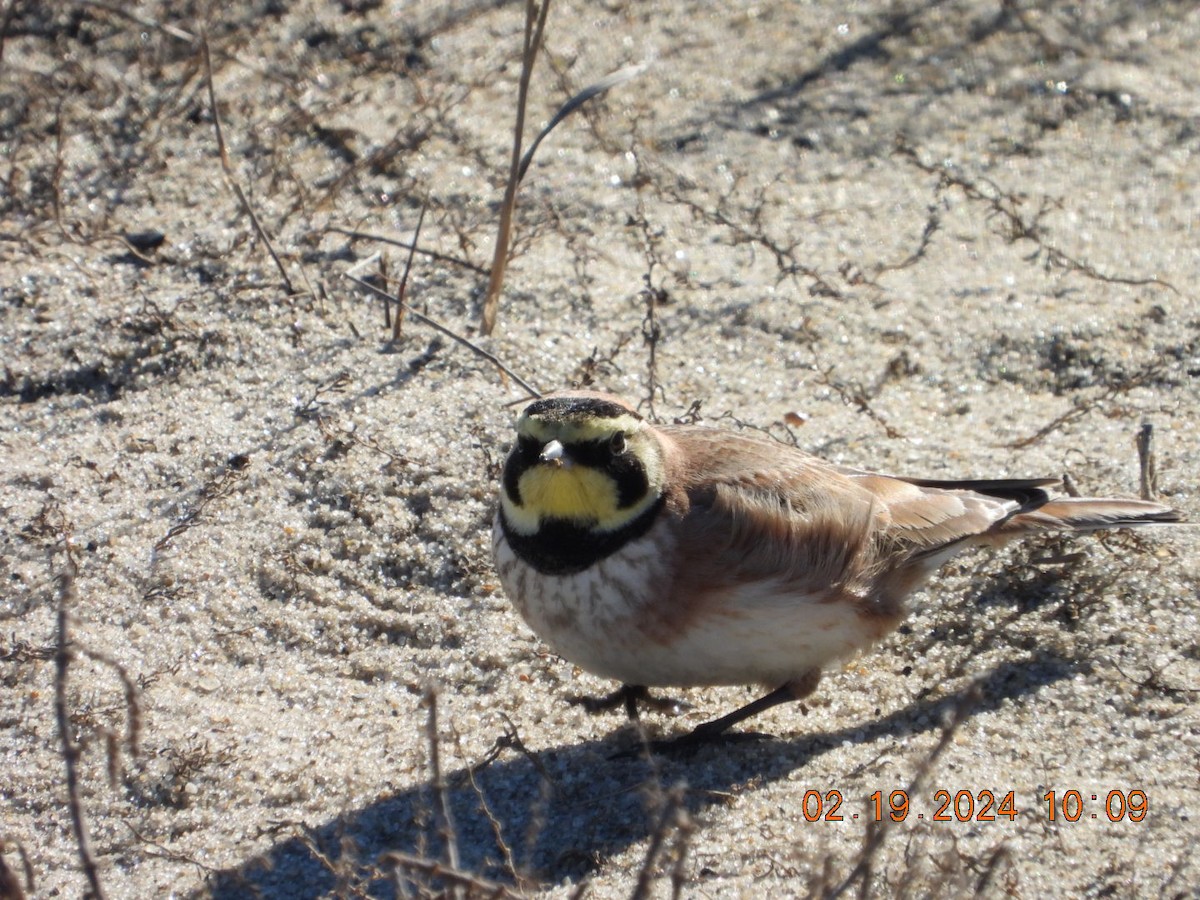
[246, 548]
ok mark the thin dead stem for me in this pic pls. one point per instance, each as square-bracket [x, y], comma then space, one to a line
[70, 750]
[454, 336]
[877, 832]
[592, 90]
[856, 395]
[10, 885]
[227, 169]
[431, 254]
[432, 869]
[441, 792]
[163, 852]
[673, 817]
[133, 714]
[144, 21]
[535, 25]
[510, 862]
[402, 290]
[217, 487]
[1147, 470]
[653, 295]
[1014, 226]
[456, 882]
[1085, 406]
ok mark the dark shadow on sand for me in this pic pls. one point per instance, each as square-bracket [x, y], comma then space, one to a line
[565, 809]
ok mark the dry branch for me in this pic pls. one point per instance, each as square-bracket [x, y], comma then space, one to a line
[407, 245]
[1013, 226]
[877, 832]
[402, 290]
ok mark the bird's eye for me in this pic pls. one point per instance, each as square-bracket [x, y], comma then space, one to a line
[617, 443]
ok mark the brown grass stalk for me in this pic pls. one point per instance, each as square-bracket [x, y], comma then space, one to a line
[62, 715]
[535, 25]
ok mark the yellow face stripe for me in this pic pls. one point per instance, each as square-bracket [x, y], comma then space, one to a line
[576, 432]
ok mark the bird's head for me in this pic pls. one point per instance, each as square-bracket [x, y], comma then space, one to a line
[581, 458]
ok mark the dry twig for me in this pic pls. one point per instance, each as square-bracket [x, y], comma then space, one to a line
[519, 163]
[70, 750]
[855, 395]
[878, 832]
[510, 862]
[215, 488]
[407, 245]
[674, 816]
[227, 169]
[1082, 407]
[400, 292]
[1147, 471]
[1014, 226]
[454, 336]
[432, 869]
[441, 792]
[10, 885]
[535, 26]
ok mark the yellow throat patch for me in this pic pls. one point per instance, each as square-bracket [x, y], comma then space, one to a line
[577, 493]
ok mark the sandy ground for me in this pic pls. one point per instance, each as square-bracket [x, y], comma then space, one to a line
[953, 238]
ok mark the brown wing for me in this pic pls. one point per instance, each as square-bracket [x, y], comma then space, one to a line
[765, 492]
[752, 509]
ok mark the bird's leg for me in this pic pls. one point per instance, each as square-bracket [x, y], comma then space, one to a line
[629, 696]
[796, 689]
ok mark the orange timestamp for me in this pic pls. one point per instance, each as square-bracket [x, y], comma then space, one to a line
[981, 806]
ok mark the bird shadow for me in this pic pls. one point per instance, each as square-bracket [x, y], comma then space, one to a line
[537, 818]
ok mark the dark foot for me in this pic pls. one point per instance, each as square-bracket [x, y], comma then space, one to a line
[717, 730]
[629, 696]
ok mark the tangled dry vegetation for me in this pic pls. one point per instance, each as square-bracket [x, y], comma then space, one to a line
[256, 389]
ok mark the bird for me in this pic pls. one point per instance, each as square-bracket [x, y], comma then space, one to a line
[682, 555]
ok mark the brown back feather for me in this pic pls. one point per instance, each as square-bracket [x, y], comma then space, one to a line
[755, 509]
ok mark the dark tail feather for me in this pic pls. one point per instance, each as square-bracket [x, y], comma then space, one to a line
[1026, 491]
[1090, 514]
[1037, 511]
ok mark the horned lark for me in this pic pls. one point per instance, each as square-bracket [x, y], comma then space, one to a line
[679, 555]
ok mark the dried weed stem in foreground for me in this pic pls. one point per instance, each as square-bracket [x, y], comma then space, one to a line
[70, 750]
[227, 170]
[674, 817]
[1012, 226]
[411, 871]
[53, 523]
[422, 875]
[877, 833]
[1147, 469]
[1083, 406]
[403, 288]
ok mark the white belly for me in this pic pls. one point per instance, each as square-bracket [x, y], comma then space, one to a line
[603, 620]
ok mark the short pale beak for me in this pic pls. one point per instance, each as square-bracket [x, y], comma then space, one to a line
[555, 454]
